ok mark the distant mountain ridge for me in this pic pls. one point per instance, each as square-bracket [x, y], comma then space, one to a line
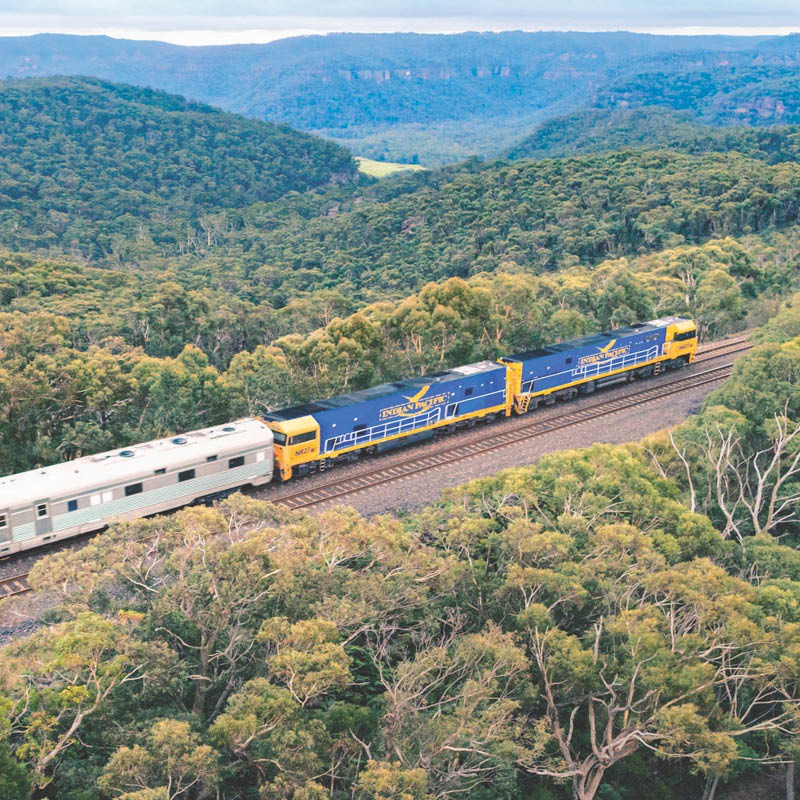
[605, 130]
[387, 94]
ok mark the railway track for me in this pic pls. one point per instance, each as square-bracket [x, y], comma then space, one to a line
[16, 584]
[726, 347]
[414, 465]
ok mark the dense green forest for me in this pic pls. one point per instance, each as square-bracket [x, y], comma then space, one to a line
[85, 164]
[753, 96]
[441, 98]
[605, 130]
[617, 622]
[388, 239]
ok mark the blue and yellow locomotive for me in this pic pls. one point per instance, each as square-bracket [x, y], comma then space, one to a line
[313, 436]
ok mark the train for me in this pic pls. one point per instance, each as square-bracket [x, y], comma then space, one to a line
[89, 493]
[314, 436]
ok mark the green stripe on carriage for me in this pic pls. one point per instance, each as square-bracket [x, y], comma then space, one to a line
[188, 490]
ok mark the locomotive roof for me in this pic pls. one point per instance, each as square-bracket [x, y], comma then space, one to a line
[596, 339]
[128, 463]
[383, 390]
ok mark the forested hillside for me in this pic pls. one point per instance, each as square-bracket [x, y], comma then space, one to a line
[390, 239]
[400, 96]
[605, 130]
[85, 163]
[616, 622]
[753, 96]
[526, 216]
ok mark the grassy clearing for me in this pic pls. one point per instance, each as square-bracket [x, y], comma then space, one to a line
[380, 169]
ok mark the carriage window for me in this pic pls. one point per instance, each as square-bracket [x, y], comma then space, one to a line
[134, 488]
[209, 459]
[308, 436]
[72, 505]
[41, 510]
[235, 462]
[3, 521]
[161, 471]
[186, 475]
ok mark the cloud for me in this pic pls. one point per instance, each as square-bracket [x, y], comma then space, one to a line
[683, 12]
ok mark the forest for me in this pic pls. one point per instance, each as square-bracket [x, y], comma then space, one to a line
[603, 620]
[371, 242]
[648, 127]
[84, 163]
[90, 366]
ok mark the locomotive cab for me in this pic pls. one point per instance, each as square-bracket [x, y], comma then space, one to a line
[680, 343]
[296, 443]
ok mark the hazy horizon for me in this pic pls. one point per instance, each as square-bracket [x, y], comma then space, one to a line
[249, 21]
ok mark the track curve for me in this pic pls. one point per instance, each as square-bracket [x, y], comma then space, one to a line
[413, 465]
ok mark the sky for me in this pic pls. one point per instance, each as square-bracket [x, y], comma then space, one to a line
[237, 21]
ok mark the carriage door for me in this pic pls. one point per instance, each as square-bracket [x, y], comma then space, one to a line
[5, 526]
[41, 516]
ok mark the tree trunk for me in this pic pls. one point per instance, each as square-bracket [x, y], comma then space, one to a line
[586, 784]
[790, 781]
[710, 788]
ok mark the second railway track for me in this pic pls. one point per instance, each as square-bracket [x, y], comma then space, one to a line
[399, 470]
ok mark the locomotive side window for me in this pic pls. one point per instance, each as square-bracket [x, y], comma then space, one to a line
[279, 438]
[186, 475]
[134, 488]
[235, 462]
[309, 436]
[41, 510]
[682, 337]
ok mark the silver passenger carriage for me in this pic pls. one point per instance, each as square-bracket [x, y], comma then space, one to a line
[86, 494]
